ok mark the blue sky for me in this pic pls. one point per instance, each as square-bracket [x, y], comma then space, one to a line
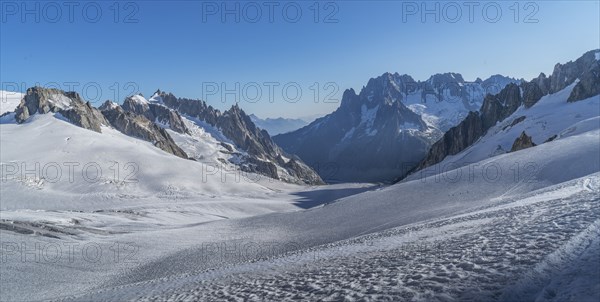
[179, 46]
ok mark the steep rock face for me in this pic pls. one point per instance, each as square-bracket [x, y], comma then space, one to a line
[238, 127]
[565, 74]
[262, 156]
[522, 142]
[155, 112]
[455, 140]
[139, 126]
[496, 108]
[589, 81]
[69, 104]
[195, 108]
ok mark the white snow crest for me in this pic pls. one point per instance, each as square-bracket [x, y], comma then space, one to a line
[9, 101]
[139, 99]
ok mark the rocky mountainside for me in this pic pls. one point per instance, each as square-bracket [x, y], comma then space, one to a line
[254, 149]
[157, 113]
[139, 126]
[235, 136]
[71, 106]
[585, 72]
[68, 104]
[388, 127]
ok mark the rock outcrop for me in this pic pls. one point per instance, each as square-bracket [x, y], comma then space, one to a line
[139, 126]
[40, 100]
[522, 142]
[589, 81]
[155, 112]
[455, 140]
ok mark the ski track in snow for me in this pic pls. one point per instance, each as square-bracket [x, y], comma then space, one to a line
[497, 253]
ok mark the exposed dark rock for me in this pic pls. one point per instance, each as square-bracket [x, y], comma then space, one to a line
[263, 154]
[69, 104]
[156, 113]
[589, 83]
[455, 140]
[139, 126]
[522, 142]
[553, 137]
[227, 146]
[514, 122]
[565, 74]
[262, 167]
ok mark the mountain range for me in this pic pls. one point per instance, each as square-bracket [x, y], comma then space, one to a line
[393, 127]
[388, 127]
[278, 125]
[182, 127]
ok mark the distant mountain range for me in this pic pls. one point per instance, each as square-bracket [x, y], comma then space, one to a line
[278, 125]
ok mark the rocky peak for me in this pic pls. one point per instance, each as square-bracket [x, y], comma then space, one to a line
[349, 99]
[495, 83]
[381, 90]
[39, 100]
[155, 111]
[565, 74]
[238, 127]
[524, 141]
[442, 79]
[589, 80]
[138, 126]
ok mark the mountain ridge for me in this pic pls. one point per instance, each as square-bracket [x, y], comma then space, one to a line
[393, 121]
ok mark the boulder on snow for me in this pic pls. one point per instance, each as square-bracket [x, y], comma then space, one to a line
[522, 142]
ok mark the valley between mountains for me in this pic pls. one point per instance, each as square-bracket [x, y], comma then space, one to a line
[435, 190]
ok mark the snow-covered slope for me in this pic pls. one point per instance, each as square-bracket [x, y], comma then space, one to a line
[552, 116]
[430, 239]
[460, 211]
[109, 168]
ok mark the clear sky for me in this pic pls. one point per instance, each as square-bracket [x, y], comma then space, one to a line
[186, 47]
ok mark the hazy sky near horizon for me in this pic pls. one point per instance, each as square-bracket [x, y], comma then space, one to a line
[274, 50]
